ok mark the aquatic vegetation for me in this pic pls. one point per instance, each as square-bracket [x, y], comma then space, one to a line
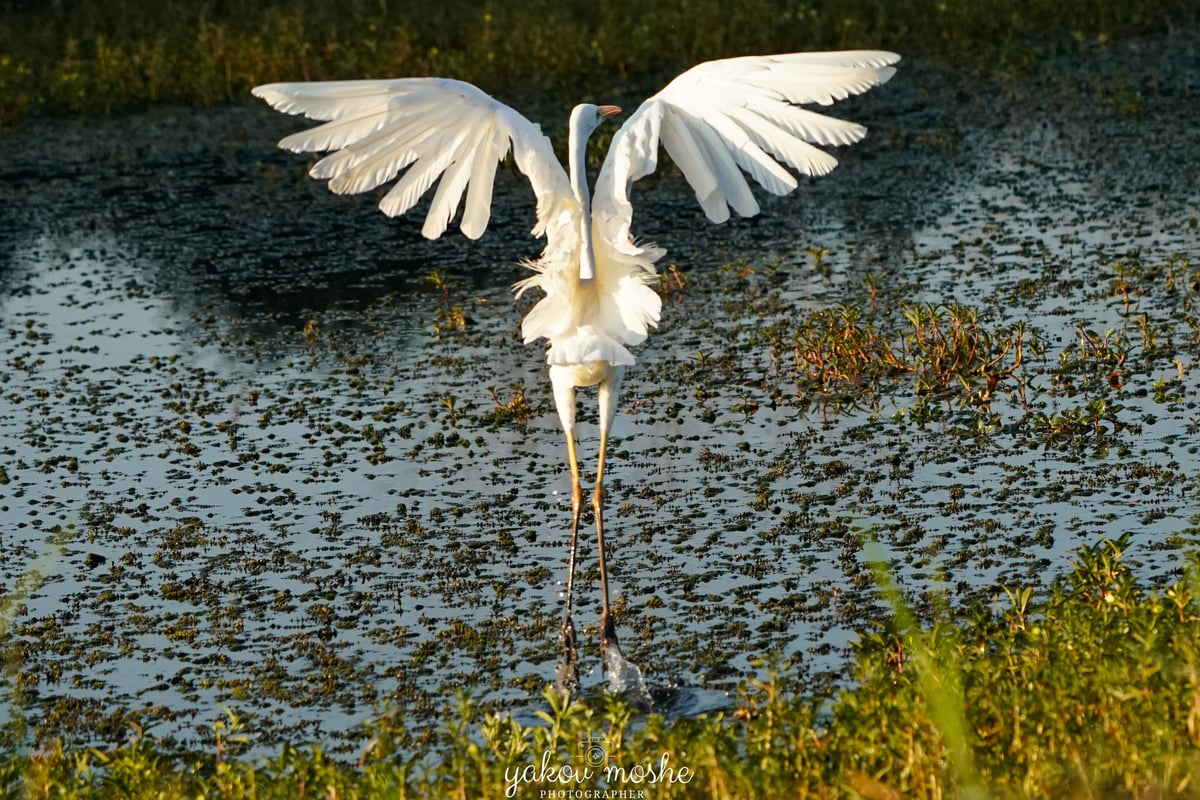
[999, 700]
[946, 351]
[517, 409]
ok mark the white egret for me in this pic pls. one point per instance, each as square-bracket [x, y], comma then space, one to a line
[716, 120]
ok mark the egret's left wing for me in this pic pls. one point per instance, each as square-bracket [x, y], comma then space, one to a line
[431, 128]
[722, 118]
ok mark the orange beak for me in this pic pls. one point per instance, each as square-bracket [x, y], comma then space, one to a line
[609, 111]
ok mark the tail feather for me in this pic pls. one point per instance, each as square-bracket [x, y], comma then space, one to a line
[586, 345]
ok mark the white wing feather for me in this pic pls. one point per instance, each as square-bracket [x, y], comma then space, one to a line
[433, 128]
[739, 114]
[716, 121]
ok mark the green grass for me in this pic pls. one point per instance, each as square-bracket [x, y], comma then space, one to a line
[1089, 690]
[99, 56]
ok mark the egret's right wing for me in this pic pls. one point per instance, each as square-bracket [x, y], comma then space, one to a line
[722, 118]
[433, 127]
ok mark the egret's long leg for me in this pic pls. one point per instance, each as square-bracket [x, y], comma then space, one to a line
[608, 392]
[568, 671]
[608, 629]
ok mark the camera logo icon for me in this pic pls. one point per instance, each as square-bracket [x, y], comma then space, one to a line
[592, 751]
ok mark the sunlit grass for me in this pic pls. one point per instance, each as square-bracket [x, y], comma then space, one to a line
[98, 56]
[1090, 689]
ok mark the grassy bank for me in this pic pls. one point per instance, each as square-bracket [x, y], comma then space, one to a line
[97, 56]
[1092, 690]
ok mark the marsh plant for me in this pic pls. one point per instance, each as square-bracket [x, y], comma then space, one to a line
[1090, 688]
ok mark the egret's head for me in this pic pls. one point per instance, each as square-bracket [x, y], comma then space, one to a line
[586, 117]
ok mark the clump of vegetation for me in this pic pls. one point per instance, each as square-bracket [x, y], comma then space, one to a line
[840, 351]
[98, 56]
[1090, 690]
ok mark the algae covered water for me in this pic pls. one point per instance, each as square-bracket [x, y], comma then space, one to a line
[263, 449]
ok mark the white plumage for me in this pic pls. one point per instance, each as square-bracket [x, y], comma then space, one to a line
[719, 121]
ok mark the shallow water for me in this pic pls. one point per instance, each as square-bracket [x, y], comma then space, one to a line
[254, 476]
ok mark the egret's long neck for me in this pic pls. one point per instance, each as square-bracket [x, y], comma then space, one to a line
[577, 157]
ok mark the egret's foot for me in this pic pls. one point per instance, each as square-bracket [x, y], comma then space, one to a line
[610, 648]
[624, 677]
[566, 680]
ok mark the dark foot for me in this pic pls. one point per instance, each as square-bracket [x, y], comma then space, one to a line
[610, 649]
[566, 680]
[624, 677]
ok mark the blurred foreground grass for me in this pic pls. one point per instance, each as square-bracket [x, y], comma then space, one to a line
[1090, 690]
[98, 56]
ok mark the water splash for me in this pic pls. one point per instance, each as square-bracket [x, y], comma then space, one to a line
[624, 676]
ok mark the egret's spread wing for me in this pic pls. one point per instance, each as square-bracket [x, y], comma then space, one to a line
[429, 127]
[722, 118]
